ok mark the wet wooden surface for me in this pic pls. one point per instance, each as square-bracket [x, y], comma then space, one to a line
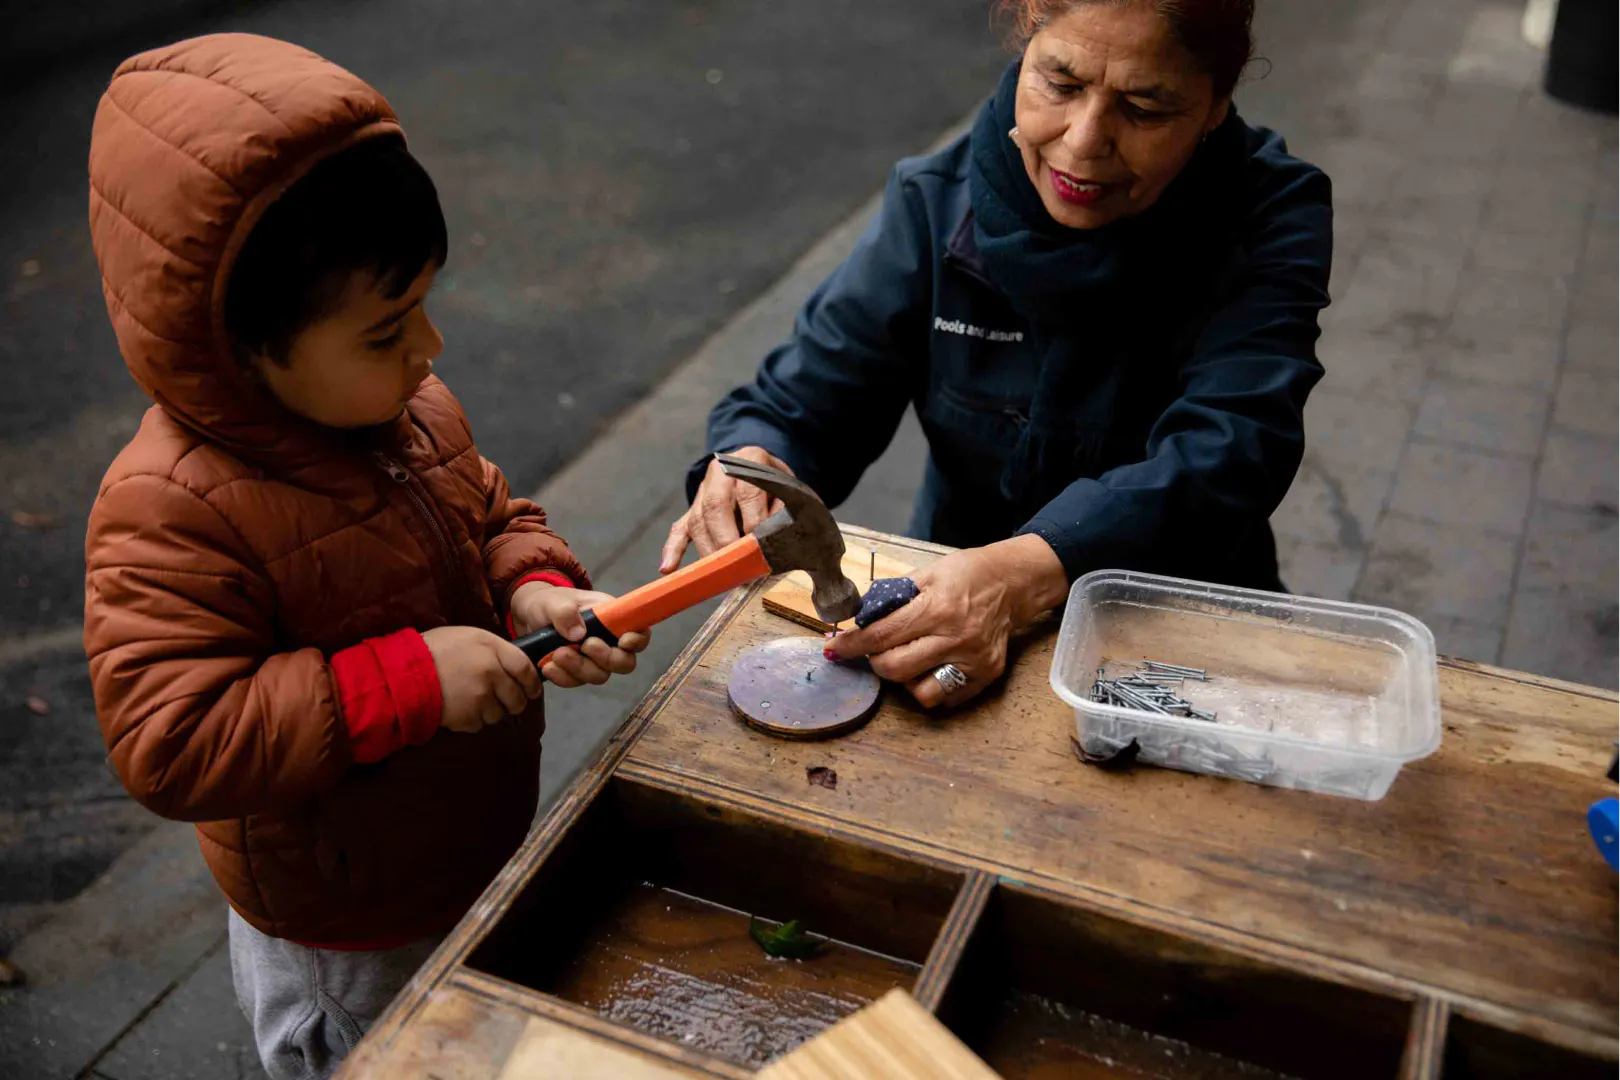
[1473, 879]
[1031, 1037]
[688, 971]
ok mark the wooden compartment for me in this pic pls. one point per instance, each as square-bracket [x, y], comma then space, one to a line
[1476, 1051]
[642, 914]
[1047, 990]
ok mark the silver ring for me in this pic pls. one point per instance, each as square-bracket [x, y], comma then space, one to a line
[950, 678]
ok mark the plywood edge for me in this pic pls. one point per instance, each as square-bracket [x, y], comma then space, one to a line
[1525, 678]
[946, 955]
[509, 994]
[1425, 1040]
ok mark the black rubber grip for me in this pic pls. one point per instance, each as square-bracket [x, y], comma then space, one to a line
[542, 643]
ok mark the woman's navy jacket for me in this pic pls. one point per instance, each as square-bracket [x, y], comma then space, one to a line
[1177, 427]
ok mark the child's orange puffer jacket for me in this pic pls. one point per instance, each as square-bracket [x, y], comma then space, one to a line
[234, 549]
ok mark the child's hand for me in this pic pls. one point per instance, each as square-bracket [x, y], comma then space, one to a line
[482, 678]
[538, 605]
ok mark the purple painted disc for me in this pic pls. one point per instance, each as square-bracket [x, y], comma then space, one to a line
[788, 689]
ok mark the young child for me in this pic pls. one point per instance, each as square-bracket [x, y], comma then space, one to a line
[301, 574]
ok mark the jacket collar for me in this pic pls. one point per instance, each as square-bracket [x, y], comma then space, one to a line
[962, 250]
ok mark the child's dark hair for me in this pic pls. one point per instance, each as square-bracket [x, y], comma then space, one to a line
[371, 208]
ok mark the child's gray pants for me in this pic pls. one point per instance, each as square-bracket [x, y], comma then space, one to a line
[309, 1007]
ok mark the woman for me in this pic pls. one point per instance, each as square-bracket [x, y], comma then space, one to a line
[1102, 302]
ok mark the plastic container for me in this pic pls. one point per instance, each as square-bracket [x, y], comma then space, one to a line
[1312, 694]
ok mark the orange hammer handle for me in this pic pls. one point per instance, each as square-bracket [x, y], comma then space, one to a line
[737, 563]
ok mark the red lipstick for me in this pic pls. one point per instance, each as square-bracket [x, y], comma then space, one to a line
[1072, 189]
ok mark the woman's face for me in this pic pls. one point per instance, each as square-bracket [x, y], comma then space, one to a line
[1110, 107]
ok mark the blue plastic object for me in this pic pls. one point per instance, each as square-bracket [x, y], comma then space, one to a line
[1604, 819]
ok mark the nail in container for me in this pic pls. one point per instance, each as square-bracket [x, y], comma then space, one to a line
[1312, 694]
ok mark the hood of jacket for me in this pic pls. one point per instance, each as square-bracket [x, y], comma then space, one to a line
[192, 142]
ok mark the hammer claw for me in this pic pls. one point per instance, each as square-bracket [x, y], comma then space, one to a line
[800, 536]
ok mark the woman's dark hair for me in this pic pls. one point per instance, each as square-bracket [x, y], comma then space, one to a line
[371, 208]
[1217, 32]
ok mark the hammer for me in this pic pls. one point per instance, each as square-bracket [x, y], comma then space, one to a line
[800, 536]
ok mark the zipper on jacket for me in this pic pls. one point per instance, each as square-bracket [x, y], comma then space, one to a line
[400, 475]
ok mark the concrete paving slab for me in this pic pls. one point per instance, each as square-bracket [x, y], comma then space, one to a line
[1504, 356]
[196, 1033]
[1493, 49]
[1602, 237]
[1435, 570]
[1467, 488]
[1363, 168]
[1592, 345]
[1588, 402]
[1365, 359]
[1427, 274]
[1325, 570]
[1552, 255]
[1332, 503]
[1571, 547]
[1527, 301]
[1471, 123]
[1575, 549]
[1551, 130]
[120, 945]
[1578, 470]
[1464, 639]
[1547, 199]
[1400, 310]
[1466, 412]
[1350, 430]
[1592, 294]
[1565, 634]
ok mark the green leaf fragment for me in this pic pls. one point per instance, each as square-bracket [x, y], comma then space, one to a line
[788, 941]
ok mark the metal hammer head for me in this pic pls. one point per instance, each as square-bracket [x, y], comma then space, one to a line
[800, 536]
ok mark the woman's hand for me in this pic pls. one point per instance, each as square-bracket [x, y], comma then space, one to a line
[967, 606]
[723, 510]
[539, 605]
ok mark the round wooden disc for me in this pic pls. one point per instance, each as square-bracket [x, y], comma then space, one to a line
[788, 689]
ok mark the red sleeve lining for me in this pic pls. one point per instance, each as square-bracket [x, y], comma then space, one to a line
[390, 694]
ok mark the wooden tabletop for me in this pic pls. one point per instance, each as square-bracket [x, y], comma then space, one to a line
[1474, 880]
[1472, 890]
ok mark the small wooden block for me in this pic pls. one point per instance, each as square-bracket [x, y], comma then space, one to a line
[790, 597]
[549, 1049]
[892, 1039]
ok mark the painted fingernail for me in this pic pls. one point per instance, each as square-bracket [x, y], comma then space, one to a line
[828, 654]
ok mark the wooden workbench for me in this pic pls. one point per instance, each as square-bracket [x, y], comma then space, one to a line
[1464, 925]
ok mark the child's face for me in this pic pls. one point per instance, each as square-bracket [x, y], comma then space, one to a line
[359, 365]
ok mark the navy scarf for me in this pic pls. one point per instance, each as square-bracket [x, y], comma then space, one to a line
[1070, 282]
